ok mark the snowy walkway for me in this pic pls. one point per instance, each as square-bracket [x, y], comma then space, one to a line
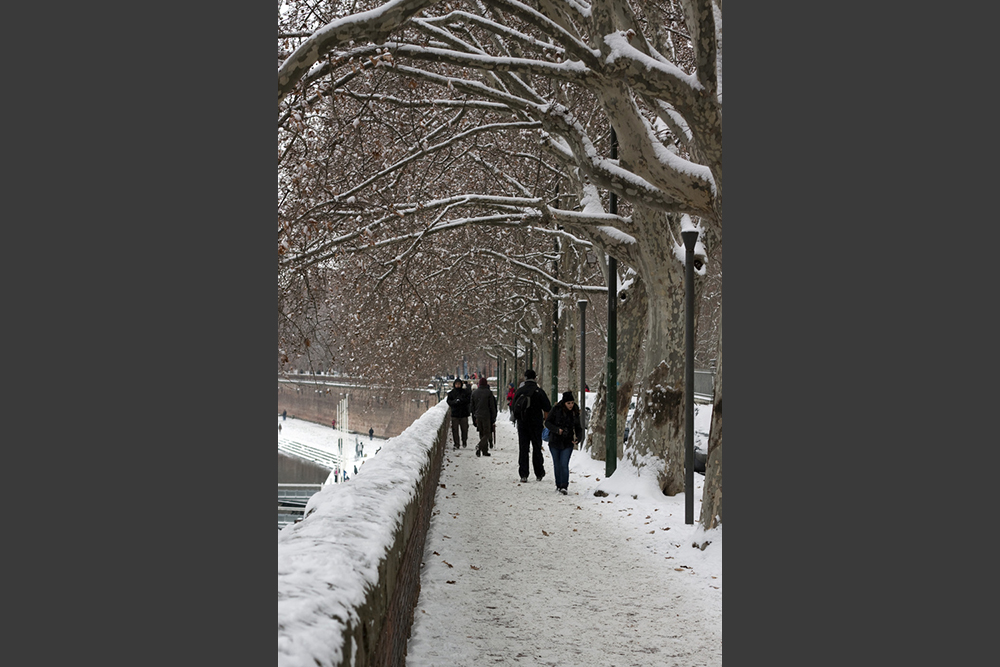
[517, 574]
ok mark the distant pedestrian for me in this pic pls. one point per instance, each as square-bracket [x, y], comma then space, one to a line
[355, 470]
[460, 401]
[484, 416]
[510, 394]
[371, 433]
[529, 426]
[565, 431]
[333, 423]
[284, 413]
[279, 428]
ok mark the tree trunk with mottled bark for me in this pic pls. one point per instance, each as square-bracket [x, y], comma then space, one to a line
[632, 307]
[711, 501]
[659, 417]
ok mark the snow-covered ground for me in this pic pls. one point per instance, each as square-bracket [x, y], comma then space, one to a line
[519, 574]
[326, 440]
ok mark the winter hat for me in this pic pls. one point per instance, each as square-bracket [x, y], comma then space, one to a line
[568, 396]
[530, 374]
[457, 383]
[483, 382]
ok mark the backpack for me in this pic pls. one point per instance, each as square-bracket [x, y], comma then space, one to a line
[522, 403]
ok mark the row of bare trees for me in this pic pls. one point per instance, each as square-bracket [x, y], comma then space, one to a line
[445, 171]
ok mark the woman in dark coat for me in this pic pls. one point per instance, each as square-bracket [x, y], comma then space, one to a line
[565, 431]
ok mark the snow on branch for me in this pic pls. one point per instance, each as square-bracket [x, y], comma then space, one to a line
[700, 20]
[547, 26]
[424, 151]
[415, 104]
[573, 71]
[584, 218]
[655, 76]
[497, 29]
[548, 278]
[607, 173]
[361, 26]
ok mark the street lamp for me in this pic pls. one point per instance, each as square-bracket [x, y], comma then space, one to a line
[583, 367]
[690, 238]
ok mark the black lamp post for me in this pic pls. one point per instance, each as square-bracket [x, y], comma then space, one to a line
[611, 375]
[690, 238]
[583, 367]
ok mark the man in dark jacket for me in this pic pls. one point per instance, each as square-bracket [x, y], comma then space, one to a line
[460, 401]
[484, 416]
[529, 427]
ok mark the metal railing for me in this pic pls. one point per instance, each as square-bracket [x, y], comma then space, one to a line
[314, 454]
[704, 384]
[292, 499]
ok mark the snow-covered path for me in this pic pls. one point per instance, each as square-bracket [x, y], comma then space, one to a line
[538, 578]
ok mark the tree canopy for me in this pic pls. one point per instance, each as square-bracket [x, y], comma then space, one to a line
[446, 171]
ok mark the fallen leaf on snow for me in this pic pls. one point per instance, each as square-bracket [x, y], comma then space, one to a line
[447, 563]
[474, 567]
[545, 534]
[449, 582]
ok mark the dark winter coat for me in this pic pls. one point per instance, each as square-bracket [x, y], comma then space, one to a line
[460, 401]
[539, 403]
[484, 406]
[563, 423]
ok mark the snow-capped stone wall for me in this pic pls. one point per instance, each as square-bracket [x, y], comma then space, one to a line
[349, 572]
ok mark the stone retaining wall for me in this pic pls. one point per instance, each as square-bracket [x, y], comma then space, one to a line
[387, 411]
[362, 614]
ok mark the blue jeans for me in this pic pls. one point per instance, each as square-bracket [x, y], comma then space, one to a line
[560, 465]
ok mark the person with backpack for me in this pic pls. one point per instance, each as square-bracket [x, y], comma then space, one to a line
[528, 410]
[484, 416]
[565, 432]
[460, 401]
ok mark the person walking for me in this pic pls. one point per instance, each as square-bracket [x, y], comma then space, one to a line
[484, 416]
[529, 422]
[283, 414]
[565, 431]
[371, 433]
[460, 401]
[510, 394]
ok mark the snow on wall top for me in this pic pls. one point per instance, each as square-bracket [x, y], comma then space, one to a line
[328, 561]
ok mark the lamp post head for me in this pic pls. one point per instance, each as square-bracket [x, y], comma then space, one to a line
[690, 237]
